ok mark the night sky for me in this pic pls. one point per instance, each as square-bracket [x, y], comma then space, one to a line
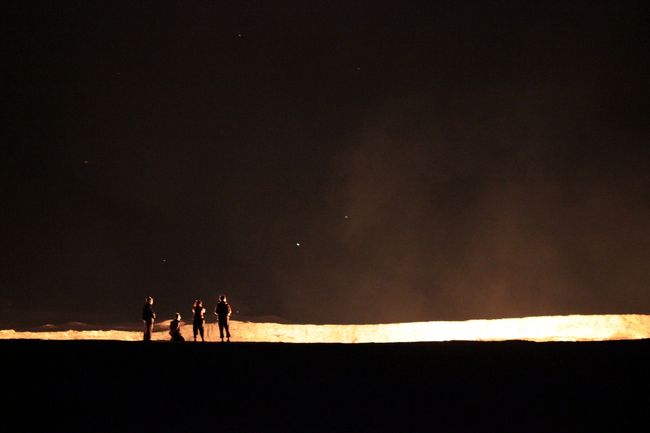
[324, 162]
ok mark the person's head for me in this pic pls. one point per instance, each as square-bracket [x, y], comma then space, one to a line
[177, 316]
[222, 298]
[149, 300]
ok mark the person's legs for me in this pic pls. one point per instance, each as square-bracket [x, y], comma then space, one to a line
[223, 324]
[221, 330]
[148, 328]
[201, 330]
[195, 330]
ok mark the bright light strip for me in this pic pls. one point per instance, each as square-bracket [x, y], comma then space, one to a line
[539, 328]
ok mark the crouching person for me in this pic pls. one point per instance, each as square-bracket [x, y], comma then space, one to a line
[175, 328]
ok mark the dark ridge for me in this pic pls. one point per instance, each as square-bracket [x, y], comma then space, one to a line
[109, 386]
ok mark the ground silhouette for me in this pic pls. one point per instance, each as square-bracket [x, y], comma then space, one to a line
[513, 386]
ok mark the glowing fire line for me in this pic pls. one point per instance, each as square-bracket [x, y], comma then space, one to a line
[539, 328]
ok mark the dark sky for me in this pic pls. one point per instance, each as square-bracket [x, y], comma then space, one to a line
[433, 160]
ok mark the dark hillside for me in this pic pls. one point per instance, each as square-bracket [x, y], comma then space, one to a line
[99, 386]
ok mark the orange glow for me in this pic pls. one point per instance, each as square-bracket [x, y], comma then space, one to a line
[540, 328]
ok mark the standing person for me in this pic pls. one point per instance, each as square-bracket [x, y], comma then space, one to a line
[223, 312]
[199, 319]
[175, 328]
[148, 317]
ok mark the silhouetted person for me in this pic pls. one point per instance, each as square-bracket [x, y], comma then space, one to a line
[199, 319]
[223, 312]
[175, 328]
[148, 317]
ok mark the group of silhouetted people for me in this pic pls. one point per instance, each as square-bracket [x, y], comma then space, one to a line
[222, 311]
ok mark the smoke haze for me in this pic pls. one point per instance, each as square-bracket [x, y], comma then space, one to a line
[318, 164]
